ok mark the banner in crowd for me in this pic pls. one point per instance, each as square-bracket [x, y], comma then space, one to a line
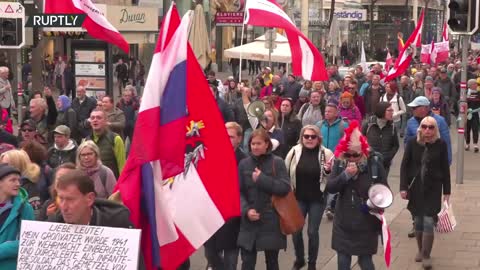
[435, 53]
[47, 245]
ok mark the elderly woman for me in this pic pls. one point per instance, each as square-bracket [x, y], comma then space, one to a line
[262, 175]
[14, 208]
[355, 230]
[308, 163]
[67, 116]
[88, 160]
[424, 176]
[29, 172]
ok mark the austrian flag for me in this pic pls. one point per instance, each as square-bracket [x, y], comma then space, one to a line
[95, 23]
[306, 59]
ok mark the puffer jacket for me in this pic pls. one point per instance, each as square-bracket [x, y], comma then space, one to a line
[383, 140]
[10, 230]
[332, 133]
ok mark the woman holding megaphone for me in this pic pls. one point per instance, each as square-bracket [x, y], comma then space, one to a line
[356, 169]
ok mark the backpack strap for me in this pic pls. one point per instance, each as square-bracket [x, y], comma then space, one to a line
[103, 177]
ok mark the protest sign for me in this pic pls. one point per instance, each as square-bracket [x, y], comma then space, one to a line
[49, 246]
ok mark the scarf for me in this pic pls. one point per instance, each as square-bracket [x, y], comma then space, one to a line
[93, 170]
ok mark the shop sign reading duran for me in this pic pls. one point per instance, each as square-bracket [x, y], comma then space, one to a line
[133, 18]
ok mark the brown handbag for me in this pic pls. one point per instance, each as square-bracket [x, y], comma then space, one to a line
[290, 216]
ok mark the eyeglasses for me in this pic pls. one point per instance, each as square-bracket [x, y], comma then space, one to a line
[28, 129]
[310, 137]
[88, 154]
[352, 155]
[431, 127]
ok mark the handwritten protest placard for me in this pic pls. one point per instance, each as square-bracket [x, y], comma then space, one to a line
[57, 246]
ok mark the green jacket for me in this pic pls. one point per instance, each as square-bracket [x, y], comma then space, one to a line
[10, 230]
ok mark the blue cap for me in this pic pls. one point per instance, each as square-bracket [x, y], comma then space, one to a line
[419, 101]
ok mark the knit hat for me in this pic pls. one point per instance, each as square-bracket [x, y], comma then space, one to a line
[352, 140]
[6, 169]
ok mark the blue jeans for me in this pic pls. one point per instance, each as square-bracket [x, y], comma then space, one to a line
[424, 224]
[314, 210]
[344, 261]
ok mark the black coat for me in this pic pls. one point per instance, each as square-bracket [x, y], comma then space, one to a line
[425, 194]
[384, 141]
[226, 237]
[355, 232]
[291, 127]
[264, 234]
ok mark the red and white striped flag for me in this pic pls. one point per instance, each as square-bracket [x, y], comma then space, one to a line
[405, 56]
[445, 32]
[95, 23]
[388, 61]
[387, 238]
[306, 59]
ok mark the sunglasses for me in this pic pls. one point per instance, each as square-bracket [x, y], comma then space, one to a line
[431, 127]
[310, 137]
[28, 129]
[353, 155]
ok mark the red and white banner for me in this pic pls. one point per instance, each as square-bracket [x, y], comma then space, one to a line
[388, 61]
[405, 56]
[95, 23]
[306, 59]
[435, 53]
[387, 238]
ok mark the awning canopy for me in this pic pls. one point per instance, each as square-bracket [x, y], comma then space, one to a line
[256, 50]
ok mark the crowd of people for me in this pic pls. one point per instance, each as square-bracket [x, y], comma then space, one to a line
[327, 142]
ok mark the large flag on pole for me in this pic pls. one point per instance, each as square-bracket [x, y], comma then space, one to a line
[180, 181]
[405, 56]
[306, 59]
[95, 22]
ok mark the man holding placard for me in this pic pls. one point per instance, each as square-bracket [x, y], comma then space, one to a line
[96, 233]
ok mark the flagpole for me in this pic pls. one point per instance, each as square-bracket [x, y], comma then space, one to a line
[241, 43]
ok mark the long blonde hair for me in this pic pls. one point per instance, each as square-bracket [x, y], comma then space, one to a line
[425, 121]
[20, 160]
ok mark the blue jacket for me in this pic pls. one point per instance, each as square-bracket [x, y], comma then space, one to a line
[10, 230]
[412, 126]
[331, 133]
